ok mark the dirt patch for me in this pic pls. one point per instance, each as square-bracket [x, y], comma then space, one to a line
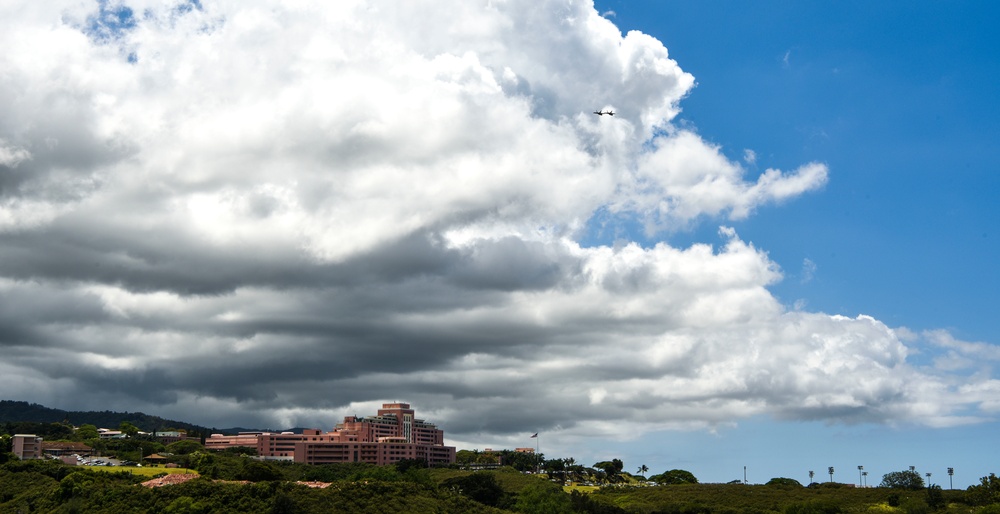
[315, 485]
[176, 478]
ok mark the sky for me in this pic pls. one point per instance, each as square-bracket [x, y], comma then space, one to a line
[777, 255]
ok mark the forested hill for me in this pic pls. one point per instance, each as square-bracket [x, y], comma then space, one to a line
[14, 412]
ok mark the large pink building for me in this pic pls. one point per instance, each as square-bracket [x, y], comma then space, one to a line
[392, 435]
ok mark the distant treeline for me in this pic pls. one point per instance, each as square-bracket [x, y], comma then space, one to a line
[14, 412]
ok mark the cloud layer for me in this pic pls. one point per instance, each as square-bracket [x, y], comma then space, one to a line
[274, 213]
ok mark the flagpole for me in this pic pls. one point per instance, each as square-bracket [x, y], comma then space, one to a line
[535, 437]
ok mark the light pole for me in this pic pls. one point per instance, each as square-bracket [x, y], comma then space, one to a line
[951, 473]
[861, 482]
[928, 480]
[864, 475]
[811, 475]
[831, 473]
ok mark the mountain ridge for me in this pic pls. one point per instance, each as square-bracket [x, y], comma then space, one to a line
[15, 411]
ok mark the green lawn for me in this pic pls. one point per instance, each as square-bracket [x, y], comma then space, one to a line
[581, 488]
[151, 471]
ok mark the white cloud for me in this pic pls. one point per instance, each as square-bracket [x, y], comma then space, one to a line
[684, 178]
[11, 155]
[291, 209]
[808, 270]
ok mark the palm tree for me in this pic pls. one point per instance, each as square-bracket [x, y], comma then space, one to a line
[643, 469]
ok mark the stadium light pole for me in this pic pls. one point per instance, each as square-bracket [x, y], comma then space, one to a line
[864, 474]
[811, 475]
[831, 473]
[861, 482]
[951, 473]
[928, 479]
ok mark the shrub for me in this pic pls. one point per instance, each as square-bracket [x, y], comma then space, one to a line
[814, 507]
[784, 482]
[915, 506]
[481, 487]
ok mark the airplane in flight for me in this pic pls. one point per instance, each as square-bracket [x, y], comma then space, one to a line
[602, 113]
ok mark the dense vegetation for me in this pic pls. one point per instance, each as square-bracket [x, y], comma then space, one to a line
[232, 483]
[48, 486]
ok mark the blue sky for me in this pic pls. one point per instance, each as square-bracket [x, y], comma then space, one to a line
[777, 254]
[900, 102]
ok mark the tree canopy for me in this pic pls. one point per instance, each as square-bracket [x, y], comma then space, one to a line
[784, 481]
[674, 476]
[184, 447]
[907, 479]
[987, 491]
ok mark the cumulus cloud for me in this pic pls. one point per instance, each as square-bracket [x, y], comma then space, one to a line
[274, 213]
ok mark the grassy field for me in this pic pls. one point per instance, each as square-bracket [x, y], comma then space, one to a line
[581, 488]
[152, 471]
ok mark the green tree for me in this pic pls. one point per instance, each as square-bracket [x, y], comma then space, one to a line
[908, 479]
[556, 468]
[184, 447]
[585, 504]
[521, 461]
[819, 506]
[185, 505]
[674, 477]
[466, 457]
[987, 492]
[75, 484]
[86, 433]
[256, 471]
[128, 429]
[935, 497]
[915, 505]
[404, 465]
[481, 487]
[543, 498]
[612, 469]
[784, 482]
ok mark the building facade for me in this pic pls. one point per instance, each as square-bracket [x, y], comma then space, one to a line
[26, 446]
[62, 448]
[172, 436]
[393, 434]
[221, 442]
